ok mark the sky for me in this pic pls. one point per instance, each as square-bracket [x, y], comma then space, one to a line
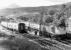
[29, 3]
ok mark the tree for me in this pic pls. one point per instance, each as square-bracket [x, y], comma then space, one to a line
[23, 18]
[61, 13]
[49, 20]
[51, 12]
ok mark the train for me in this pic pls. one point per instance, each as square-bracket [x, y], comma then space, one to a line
[22, 27]
[47, 31]
[18, 26]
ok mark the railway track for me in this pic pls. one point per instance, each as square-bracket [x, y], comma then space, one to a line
[68, 42]
[48, 42]
[45, 42]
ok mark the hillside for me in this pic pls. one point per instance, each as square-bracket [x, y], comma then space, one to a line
[33, 14]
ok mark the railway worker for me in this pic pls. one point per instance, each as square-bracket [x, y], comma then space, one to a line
[29, 29]
[36, 32]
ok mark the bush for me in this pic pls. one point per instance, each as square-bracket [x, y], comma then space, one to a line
[49, 20]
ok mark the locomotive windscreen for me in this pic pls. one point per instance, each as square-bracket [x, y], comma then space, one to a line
[21, 28]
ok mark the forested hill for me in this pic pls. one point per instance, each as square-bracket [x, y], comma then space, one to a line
[50, 13]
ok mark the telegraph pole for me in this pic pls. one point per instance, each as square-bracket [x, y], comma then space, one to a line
[41, 20]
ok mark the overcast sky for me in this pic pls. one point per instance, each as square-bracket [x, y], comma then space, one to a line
[26, 3]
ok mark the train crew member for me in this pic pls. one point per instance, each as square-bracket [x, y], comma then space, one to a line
[36, 32]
